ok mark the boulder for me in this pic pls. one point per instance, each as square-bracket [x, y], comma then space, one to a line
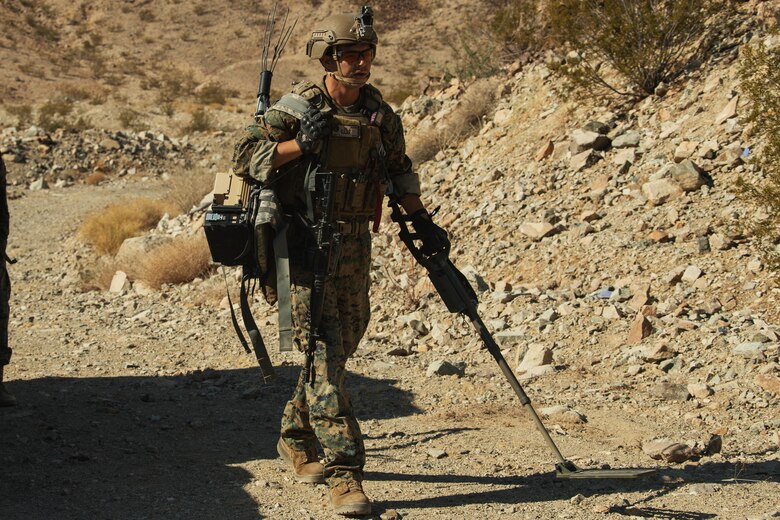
[688, 175]
[661, 190]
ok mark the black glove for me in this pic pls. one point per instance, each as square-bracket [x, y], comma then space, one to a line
[434, 239]
[315, 126]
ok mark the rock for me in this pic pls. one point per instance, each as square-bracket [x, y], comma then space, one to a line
[661, 190]
[729, 111]
[626, 156]
[720, 242]
[699, 390]
[668, 451]
[584, 160]
[436, 453]
[750, 349]
[39, 184]
[510, 337]
[548, 316]
[502, 116]
[390, 514]
[563, 413]
[119, 283]
[536, 356]
[629, 139]
[659, 236]
[611, 312]
[768, 382]
[671, 392]
[691, 274]
[596, 126]
[109, 144]
[657, 353]
[135, 248]
[685, 150]
[582, 140]
[674, 276]
[537, 230]
[537, 372]
[640, 329]
[475, 279]
[688, 175]
[545, 151]
[444, 368]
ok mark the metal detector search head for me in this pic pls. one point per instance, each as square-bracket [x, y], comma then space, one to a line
[567, 469]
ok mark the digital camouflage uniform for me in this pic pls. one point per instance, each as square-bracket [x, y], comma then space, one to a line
[323, 412]
[5, 283]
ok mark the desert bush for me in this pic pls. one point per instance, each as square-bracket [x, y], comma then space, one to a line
[214, 93]
[22, 113]
[41, 29]
[146, 15]
[179, 261]
[131, 119]
[107, 229]
[200, 121]
[173, 84]
[95, 178]
[188, 187]
[478, 101]
[54, 114]
[645, 42]
[760, 81]
[507, 29]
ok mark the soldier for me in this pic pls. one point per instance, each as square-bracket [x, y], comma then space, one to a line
[343, 124]
[6, 399]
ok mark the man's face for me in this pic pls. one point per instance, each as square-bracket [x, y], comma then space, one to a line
[355, 60]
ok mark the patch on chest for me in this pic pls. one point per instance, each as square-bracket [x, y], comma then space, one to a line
[347, 131]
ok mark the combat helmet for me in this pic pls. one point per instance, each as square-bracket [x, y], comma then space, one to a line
[342, 29]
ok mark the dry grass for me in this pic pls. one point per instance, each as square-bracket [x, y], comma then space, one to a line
[107, 229]
[180, 261]
[465, 120]
[95, 178]
[189, 186]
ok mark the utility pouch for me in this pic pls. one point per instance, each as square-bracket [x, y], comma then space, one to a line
[229, 224]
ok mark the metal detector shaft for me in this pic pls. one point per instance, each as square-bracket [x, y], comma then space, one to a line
[459, 297]
[495, 351]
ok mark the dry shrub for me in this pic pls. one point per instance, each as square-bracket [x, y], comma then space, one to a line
[645, 42]
[214, 93]
[180, 261]
[465, 120]
[95, 178]
[107, 229]
[760, 76]
[200, 121]
[189, 186]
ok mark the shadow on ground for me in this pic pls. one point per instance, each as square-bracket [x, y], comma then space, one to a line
[149, 447]
[544, 487]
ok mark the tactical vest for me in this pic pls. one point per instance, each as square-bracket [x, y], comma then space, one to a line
[352, 152]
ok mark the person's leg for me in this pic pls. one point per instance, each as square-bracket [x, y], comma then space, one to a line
[6, 399]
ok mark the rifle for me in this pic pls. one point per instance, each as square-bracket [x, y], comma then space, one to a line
[459, 297]
[325, 252]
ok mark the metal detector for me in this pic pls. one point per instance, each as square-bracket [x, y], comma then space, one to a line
[459, 297]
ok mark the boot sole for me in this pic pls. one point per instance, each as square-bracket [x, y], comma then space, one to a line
[353, 509]
[306, 479]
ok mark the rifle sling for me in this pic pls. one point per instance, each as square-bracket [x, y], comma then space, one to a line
[283, 288]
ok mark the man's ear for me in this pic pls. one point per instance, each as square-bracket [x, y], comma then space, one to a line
[328, 63]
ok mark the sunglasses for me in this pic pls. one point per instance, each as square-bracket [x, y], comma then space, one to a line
[356, 56]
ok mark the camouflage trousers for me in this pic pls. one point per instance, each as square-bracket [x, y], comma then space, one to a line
[5, 295]
[323, 412]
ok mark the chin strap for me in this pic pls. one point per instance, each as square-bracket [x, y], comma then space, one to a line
[350, 82]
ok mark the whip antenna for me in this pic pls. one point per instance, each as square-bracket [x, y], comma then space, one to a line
[266, 68]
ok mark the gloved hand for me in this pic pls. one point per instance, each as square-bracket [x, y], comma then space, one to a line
[315, 126]
[434, 238]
